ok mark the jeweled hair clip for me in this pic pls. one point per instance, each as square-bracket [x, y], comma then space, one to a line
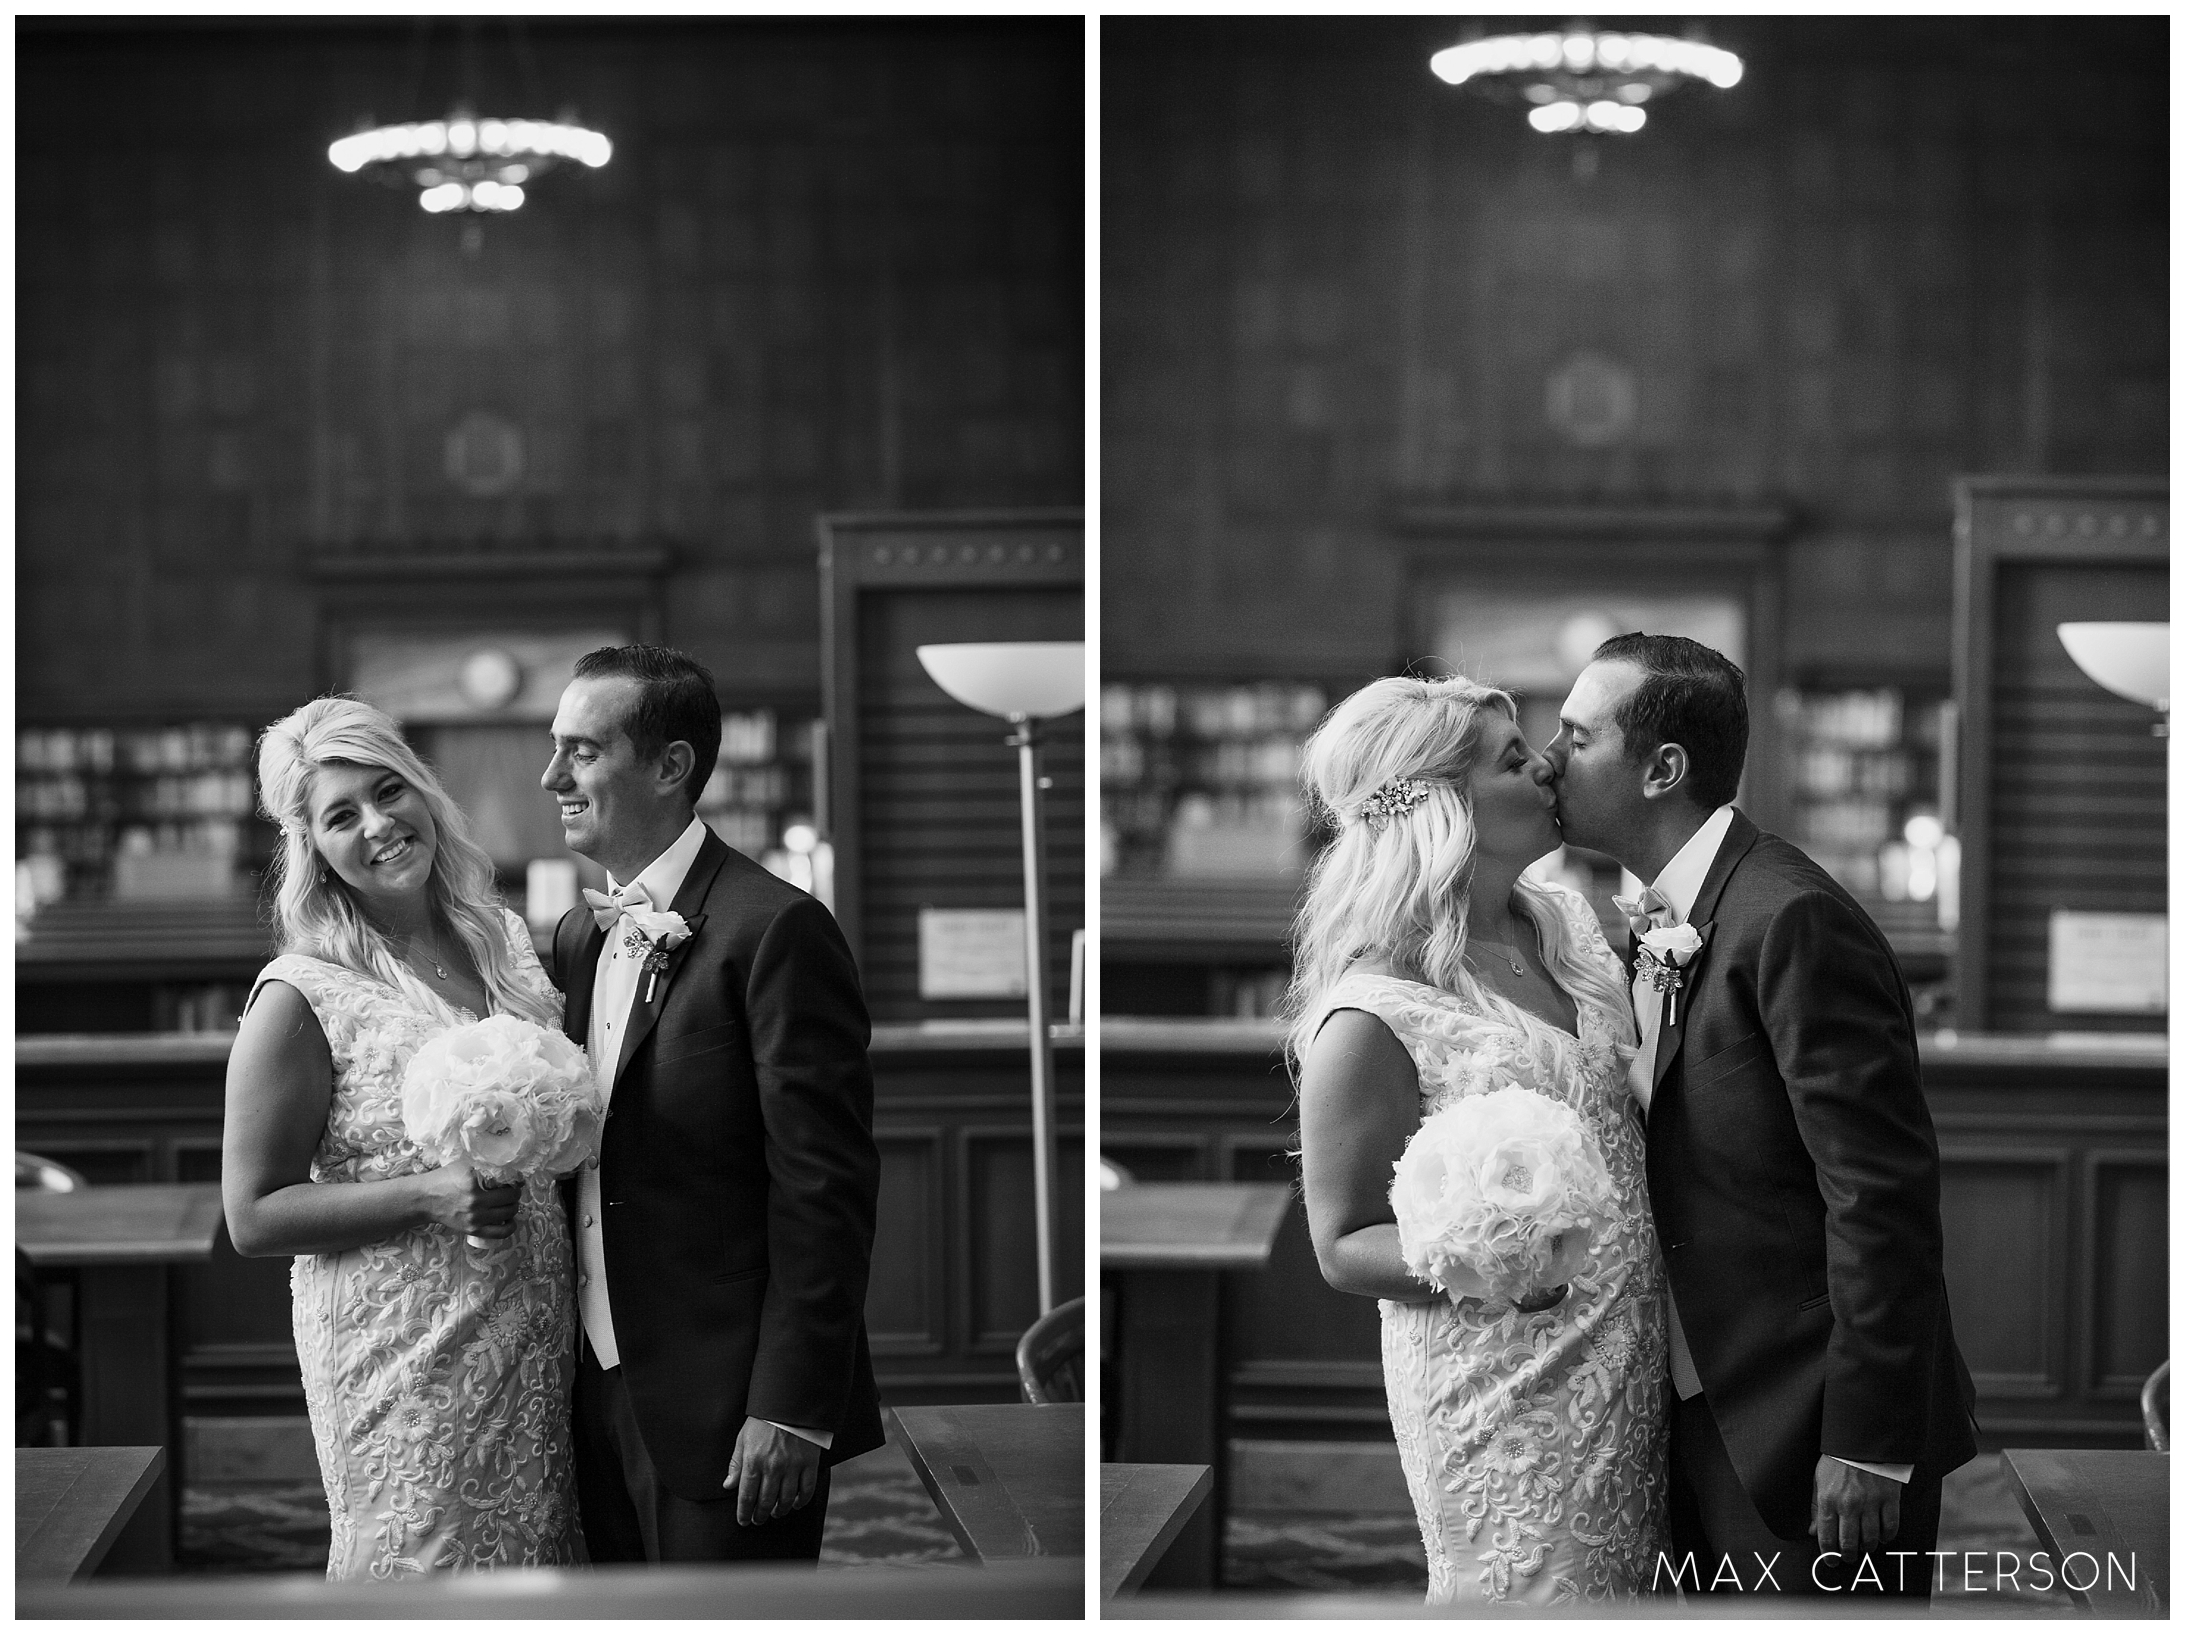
[1394, 797]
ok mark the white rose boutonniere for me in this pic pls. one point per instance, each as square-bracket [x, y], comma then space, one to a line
[663, 930]
[1664, 952]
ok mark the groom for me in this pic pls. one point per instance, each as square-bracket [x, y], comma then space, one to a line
[1819, 1397]
[723, 1240]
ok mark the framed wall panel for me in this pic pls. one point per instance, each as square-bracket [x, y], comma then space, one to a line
[906, 1300]
[2061, 784]
[2005, 1225]
[1000, 1279]
[2124, 1267]
[923, 802]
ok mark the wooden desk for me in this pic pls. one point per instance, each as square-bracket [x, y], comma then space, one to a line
[1009, 1478]
[1142, 1509]
[72, 1503]
[1190, 1225]
[122, 1241]
[758, 1590]
[1165, 1245]
[2095, 1504]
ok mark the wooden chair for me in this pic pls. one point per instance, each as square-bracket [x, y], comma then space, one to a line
[1051, 1355]
[2154, 1408]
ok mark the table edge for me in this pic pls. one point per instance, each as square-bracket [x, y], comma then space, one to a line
[140, 1487]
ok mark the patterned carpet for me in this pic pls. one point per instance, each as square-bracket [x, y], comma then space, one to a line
[1279, 1551]
[878, 1512]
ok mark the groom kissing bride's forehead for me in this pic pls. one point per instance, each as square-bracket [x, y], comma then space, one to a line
[724, 1238]
[1791, 1162]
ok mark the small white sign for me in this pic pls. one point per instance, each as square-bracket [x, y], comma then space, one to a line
[2113, 963]
[971, 953]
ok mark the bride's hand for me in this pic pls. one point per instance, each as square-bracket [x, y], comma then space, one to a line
[1571, 1250]
[456, 1197]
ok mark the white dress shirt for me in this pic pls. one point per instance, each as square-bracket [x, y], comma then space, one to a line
[1679, 883]
[614, 991]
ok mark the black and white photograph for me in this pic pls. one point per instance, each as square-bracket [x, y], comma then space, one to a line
[1633, 572]
[1091, 814]
[550, 813]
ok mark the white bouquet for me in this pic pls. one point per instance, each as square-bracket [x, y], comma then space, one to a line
[1490, 1183]
[514, 1098]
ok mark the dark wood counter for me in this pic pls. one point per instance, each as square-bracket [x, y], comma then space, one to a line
[2103, 1514]
[1007, 1477]
[73, 1504]
[953, 1280]
[2055, 1197]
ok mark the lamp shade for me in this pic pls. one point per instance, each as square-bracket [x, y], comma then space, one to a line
[1011, 679]
[2131, 660]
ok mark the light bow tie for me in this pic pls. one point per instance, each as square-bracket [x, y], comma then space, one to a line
[608, 908]
[1649, 910]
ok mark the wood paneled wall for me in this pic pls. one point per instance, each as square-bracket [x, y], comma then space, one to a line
[1901, 249]
[2055, 1228]
[833, 263]
[953, 1282]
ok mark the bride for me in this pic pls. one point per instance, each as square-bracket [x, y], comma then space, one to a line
[437, 1374]
[1532, 1434]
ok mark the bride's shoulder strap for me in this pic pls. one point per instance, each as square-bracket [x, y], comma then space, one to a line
[323, 985]
[300, 971]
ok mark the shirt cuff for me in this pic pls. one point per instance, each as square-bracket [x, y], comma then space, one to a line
[826, 1439]
[1900, 1474]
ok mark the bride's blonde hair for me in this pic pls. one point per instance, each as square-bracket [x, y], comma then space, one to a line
[315, 910]
[1391, 768]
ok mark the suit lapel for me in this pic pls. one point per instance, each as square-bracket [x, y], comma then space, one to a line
[689, 902]
[583, 966]
[1737, 840]
[1672, 1034]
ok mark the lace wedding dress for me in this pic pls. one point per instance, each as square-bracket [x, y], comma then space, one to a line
[1534, 1445]
[437, 1375]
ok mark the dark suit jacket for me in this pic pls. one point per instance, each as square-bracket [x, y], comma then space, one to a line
[738, 1173]
[1796, 1186]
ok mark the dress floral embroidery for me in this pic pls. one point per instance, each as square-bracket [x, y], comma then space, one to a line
[437, 1376]
[1534, 1445]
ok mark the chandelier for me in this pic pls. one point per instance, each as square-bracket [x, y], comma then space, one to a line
[464, 162]
[1583, 81]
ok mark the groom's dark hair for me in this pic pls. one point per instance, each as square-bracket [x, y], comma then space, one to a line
[675, 701]
[1691, 695]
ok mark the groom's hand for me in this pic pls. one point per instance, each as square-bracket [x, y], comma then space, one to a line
[772, 1473]
[1853, 1509]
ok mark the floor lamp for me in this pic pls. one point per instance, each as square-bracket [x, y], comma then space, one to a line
[1025, 683]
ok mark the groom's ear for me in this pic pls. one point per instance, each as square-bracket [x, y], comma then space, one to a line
[674, 768]
[1664, 772]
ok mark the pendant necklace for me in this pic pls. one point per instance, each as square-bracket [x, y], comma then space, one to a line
[1517, 966]
[439, 970]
